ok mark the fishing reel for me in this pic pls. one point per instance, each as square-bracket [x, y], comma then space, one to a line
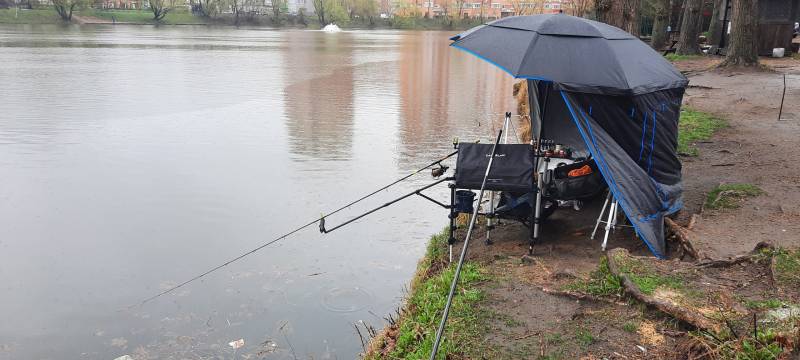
[439, 171]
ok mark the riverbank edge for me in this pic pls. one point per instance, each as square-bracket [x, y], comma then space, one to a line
[411, 333]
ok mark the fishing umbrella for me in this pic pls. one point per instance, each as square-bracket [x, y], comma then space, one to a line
[576, 53]
[600, 89]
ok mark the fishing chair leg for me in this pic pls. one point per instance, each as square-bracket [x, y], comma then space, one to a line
[451, 239]
[600, 218]
[490, 219]
[612, 214]
[536, 213]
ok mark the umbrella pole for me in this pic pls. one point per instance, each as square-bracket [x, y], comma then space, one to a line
[453, 285]
[534, 237]
[490, 216]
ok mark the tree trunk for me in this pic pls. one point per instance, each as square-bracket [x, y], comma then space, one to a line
[742, 47]
[660, 24]
[623, 14]
[687, 43]
[630, 14]
[602, 9]
[715, 28]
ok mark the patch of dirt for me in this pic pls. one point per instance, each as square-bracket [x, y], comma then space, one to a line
[531, 320]
[723, 297]
[756, 148]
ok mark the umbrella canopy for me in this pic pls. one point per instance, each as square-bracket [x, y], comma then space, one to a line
[577, 54]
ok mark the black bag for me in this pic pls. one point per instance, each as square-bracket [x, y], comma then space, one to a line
[512, 169]
[564, 187]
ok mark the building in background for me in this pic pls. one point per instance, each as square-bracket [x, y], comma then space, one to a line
[486, 9]
[294, 6]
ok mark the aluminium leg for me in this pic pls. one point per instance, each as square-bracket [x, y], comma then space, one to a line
[536, 212]
[453, 215]
[489, 218]
[609, 223]
[600, 217]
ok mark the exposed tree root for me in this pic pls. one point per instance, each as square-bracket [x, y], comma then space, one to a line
[683, 314]
[682, 234]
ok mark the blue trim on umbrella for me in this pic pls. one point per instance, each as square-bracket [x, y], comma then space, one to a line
[644, 131]
[652, 146]
[606, 173]
[479, 56]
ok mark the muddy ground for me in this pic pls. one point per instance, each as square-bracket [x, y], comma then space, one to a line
[756, 148]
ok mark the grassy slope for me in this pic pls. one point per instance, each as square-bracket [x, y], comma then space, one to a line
[48, 16]
[144, 16]
[34, 16]
[420, 318]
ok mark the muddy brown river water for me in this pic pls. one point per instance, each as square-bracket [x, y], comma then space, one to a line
[134, 157]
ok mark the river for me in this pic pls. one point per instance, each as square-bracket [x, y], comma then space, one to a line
[134, 157]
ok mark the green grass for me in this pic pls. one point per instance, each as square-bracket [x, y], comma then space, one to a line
[787, 267]
[34, 16]
[467, 322]
[648, 283]
[553, 340]
[584, 338]
[764, 304]
[177, 16]
[646, 279]
[729, 196]
[695, 126]
[466, 325]
[675, 57]
[763, 346]
[630, 327]
[600, 283]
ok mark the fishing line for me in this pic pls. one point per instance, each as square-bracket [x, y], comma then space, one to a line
[289, 233]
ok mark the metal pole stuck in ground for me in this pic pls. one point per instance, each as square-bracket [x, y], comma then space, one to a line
[453, 285]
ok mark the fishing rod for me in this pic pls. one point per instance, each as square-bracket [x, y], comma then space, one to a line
[320, 220]
[463, 252]
[323, 230]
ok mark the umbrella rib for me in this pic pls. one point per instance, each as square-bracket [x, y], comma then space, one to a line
[527, 51]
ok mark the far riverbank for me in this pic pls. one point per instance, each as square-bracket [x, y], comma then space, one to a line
[89, 16]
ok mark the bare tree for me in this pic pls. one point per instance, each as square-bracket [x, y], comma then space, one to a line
[687, 42]
[319, 8]
[460, 9]
[581, 7]
[206, 8]
[524, 7]
[662, 9]
[64, 8]
[623, 14]
[160, 8]
[742, 46]
[277, 7]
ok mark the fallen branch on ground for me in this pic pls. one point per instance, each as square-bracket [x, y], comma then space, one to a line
[681, 313]
[736, 259]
